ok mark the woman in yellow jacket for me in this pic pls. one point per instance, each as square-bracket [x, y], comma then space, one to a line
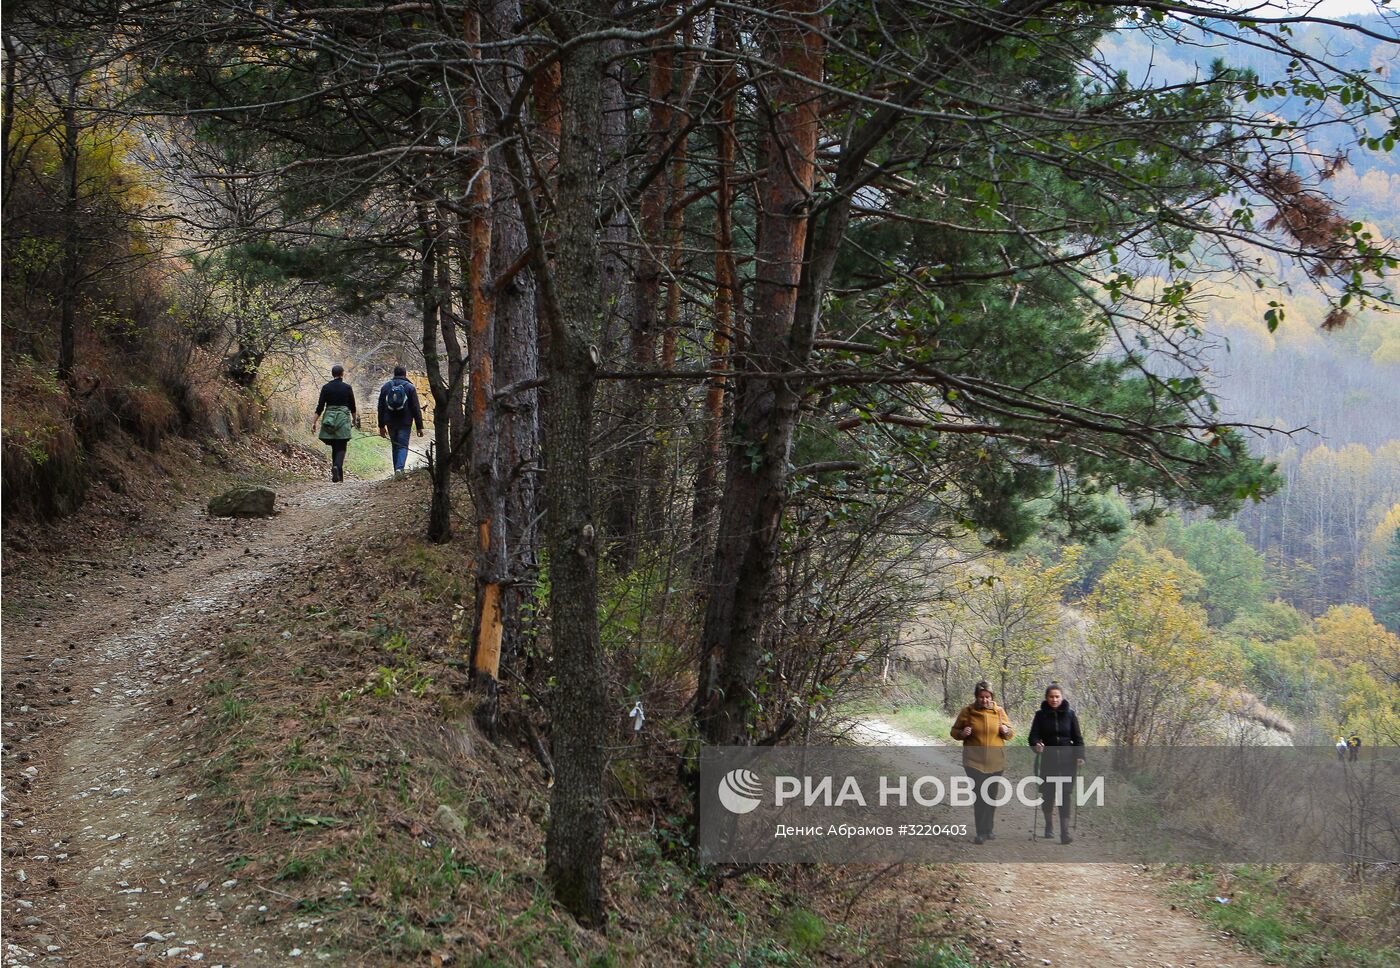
[983, 730]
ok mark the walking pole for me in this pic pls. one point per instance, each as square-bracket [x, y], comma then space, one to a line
[1041, 784]
[1074, 810]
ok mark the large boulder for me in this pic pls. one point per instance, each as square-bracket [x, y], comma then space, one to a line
[243, 502]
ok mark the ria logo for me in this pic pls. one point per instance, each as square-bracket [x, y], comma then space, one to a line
[740, 791]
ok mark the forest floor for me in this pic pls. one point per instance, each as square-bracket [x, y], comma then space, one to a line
[225, 743]
[109, 859]
[1111, 915]
[242, 743]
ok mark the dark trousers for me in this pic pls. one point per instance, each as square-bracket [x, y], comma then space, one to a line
[1052, 794]
[338, 456]
[984, 814]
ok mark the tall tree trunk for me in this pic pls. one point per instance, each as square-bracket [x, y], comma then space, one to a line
[619, 260]
[571, 291]
[617, 229]
[574, 848]
[661, 473]
[7, 118]
[627, 520]
[488, 491]
[516, 334]
[726, 287]
[765, 409]
[68, 291]
[443, 235]
[440, 466]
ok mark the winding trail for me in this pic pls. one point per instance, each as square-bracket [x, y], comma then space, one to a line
[108, 860]
[1076, 915]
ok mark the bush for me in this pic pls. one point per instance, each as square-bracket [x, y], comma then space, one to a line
[803, 930]
[43, 468]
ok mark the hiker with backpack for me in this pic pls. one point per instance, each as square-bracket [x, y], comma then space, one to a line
[335, 415]
[398, 413]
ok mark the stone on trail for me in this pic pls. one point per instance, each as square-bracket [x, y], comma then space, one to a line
[243, 502]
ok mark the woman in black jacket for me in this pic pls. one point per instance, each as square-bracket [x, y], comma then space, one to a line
[338, 404]
[1054, 735]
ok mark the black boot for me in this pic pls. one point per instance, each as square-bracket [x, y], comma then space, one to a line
[1065, 838]
[1049, 828]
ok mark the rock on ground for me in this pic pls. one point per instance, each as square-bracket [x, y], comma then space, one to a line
[243, 502]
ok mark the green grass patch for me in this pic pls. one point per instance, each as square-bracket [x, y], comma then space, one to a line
[925, 721]
[367, 458]
[305, 865]
[1262, 916]
[907, 703]
[803, 930]
[233, 711]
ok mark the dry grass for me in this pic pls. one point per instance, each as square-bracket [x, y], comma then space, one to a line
[43, 467]
[1246, 705]
[329, 753]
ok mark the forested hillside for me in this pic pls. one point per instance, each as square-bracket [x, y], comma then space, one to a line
[756, 342]
[1333, 393]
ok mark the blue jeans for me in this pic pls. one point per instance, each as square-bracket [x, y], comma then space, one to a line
[398, 440]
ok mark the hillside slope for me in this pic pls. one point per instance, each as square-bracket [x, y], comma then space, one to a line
[249, 744]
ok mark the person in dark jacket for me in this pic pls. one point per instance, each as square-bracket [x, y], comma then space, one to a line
[1056, 738]
[398, 413]
[335, 414]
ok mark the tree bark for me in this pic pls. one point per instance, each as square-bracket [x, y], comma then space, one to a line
[444, 230]
[628, 521]
[68, 291]
[440, 464]
[488, 491]
[617, 230]
[726, 291]
[515, 336]
[7, 116]
[570, 292]
[765, 409]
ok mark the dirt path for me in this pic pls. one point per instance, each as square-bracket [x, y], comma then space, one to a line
[1095, 914]
[108, 861]
[1104, 915]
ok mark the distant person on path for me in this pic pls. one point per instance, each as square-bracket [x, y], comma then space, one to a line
[1056, 739]
[1354, 746]
[338, 403]
[398, 413]
[983, 730]
[1342, 748]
